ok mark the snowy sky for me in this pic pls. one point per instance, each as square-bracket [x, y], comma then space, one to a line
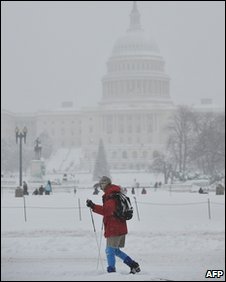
[57, 51]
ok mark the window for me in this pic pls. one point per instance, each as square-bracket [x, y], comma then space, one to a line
[114, 155]
[134, 154]
[124, 155]
[109, 124]
[145, 154]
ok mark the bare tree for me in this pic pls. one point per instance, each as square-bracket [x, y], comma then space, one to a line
[180, 136]
[163, 163]
[209, 148]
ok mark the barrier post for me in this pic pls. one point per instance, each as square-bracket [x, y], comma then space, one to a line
[209, 213]
[79, 208]
[25, 216]
[138, 216]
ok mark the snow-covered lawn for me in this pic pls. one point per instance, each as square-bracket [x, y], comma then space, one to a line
[176, 237]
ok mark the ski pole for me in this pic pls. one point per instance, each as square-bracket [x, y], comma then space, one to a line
[94, 228]
[99, 256]
[92, 220]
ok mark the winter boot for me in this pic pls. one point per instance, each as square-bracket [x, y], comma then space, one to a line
[134, 266]
[111, 269]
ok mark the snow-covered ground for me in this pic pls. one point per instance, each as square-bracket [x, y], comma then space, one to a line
[177, 237]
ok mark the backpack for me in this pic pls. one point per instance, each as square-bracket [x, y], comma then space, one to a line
[124, 209]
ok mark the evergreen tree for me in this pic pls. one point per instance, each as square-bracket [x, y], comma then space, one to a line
[101, 166]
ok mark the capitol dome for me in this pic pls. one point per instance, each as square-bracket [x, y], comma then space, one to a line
[135, 70]
[135, 43]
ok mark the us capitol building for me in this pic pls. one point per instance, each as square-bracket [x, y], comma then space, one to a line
[131, 117]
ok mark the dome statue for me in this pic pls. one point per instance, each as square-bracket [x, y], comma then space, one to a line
[135, 41]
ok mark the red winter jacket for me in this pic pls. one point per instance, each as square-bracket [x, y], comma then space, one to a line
[113, 226]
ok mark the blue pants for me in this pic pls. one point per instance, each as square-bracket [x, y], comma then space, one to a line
[111, 253]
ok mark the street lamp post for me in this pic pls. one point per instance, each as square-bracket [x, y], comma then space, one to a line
[20, 134]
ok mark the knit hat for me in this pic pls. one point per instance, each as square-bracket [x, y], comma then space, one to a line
[104, 182]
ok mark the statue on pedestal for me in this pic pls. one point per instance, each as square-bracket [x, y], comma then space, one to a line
[38, 149]
[37, 164]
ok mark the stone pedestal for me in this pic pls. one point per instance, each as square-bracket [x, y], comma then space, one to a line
[19, 192]
[220, 189]
[37, 168]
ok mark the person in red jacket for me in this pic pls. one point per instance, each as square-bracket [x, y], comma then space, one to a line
[115, 229]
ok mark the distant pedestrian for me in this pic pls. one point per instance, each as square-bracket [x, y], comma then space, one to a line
[48, 188]
[144, 191]
[25, 188]
[96, 191]
[36, 192]
[201, 190]
[124, 190]
[41, 190]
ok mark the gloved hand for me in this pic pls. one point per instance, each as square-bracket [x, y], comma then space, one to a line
[90, 204]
